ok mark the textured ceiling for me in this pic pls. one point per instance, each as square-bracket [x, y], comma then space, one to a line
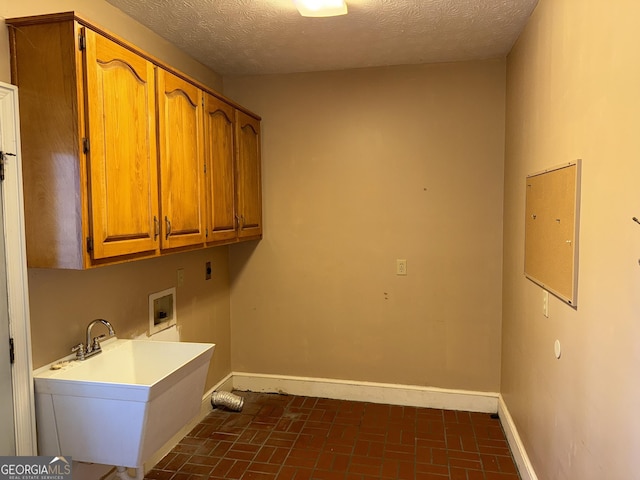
[235, 37]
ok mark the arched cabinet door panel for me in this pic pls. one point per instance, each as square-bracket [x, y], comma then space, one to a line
[248, 179]
[182, 188]
[121, 149]
[221, 183]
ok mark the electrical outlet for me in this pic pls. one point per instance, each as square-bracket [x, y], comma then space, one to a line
[545, 303]
[180, 277]
[401, 267]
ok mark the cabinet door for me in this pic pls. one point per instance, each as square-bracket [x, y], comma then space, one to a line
[248, 183]
[182, 196]
[221, 212]
[122, 160]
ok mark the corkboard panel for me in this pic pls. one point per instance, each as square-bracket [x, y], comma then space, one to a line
[551, 230]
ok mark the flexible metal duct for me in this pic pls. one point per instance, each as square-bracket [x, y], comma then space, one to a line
[227, 399]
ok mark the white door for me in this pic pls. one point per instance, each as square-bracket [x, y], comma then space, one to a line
[17, 409]
[7, 442]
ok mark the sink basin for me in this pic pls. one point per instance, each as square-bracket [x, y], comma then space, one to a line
[119, 407]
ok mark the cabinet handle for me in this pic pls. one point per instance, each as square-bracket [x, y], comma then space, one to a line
[168, 225]
[242, 222]
[156, 228]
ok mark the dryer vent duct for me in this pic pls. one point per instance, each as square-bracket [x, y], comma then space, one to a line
[228, 400]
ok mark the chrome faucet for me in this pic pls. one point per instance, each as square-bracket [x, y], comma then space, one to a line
[92, 347]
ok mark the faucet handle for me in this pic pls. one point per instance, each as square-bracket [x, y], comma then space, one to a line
[79, 350]
[95, 345]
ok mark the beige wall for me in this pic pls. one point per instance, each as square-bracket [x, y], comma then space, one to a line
[573, 91]
[361, 168]
[63, 302]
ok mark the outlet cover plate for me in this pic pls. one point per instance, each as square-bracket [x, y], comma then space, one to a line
[401, 266]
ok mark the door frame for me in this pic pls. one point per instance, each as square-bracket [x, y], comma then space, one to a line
[16, 271]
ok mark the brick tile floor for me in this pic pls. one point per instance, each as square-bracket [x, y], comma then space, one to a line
[286, 437]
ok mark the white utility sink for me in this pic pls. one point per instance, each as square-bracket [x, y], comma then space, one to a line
[120, 406]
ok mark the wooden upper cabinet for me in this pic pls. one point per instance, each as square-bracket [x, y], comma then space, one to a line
[182, 193]
[113, 150]
[248, 179]
[121, 149]
[219, 148]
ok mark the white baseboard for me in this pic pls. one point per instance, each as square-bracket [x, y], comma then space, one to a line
[224, 385]
[393, 394]
[515, 443]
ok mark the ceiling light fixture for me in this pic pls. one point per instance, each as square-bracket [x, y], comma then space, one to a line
[321, 8]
